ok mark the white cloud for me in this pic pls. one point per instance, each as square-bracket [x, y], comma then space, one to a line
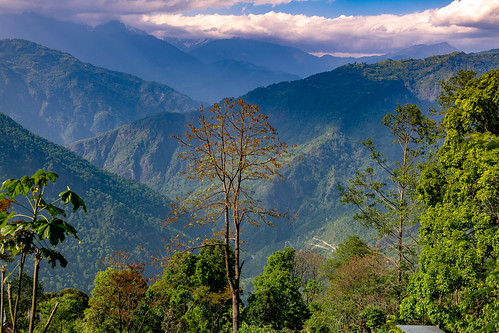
[468, 13]
[122, 7]
[344, 33]
[467, 24]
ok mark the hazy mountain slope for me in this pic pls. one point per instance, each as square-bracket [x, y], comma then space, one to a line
[55, 95]
[422, 51]
[142, 150]
[122, 214]
[117, 47]
[349, 93]
[292, 60]
[276, 57]
[301, 111]
[326, 115]
[423, 77]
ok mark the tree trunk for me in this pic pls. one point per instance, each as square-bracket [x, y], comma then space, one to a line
[235, 312]
[9, 294]
[33, 297]
[1, 299]
[50, 318]
[19, 289]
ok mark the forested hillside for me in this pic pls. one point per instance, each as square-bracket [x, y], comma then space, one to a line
[62, 99]
[122, 214]
[323, 118]
[327, 115]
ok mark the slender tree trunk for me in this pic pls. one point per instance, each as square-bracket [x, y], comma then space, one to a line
[38, 258]
[9, 294]
[402, 219]
[237, 269]
[50, 318]
[19, 289]
[1, 298]
[400, 249]
[230, 279]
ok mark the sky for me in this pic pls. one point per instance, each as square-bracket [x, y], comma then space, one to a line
[350, 27]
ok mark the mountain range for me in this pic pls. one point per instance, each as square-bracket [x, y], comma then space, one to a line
[209, 72]
[123, 124]
[295, 61]
[117, 47]
[62, 99]
[326, 115]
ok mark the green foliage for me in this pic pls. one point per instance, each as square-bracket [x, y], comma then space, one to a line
[455, 285]
[352, 247]
[247, 328]
[358, 293]
[193, 295]
[122, 214]
[24, 300]
[373, 317]
[36, 222]
[277, 300]
[392, 208]
[69, 312]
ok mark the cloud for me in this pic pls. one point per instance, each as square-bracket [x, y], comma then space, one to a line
[320, 34]
[124, 7]
[481, 14]
[467, 24]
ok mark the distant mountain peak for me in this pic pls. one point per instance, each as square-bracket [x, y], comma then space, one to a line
[116, 26]
[421, 51]
[187, 45]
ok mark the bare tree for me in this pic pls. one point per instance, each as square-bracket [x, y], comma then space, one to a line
[229, 149]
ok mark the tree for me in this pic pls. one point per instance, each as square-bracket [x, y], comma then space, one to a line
[71, 308]
[277, 300]
[25, 298]
[229, 149]
[456, 285]
[193, 293]
[358, 294]
[391, 208]
[26, 232]
[352, 247]
[307, 267]
[117, 293]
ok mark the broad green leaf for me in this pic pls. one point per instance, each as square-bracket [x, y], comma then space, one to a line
[8, 229]
[27, 182]
[42, 228]
[4, 218]
[2, 196]
[54, 257]
[39, 178]
[51, 176]
[69, 196]
[42, 178]
[15, 187]
[54, 210]
[69, 229]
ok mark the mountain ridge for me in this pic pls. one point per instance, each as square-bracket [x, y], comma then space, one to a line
[326, 115]
[122, 214]
[116, 47]
[57, 96]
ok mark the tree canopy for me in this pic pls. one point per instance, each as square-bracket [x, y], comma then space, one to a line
[456, 284]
